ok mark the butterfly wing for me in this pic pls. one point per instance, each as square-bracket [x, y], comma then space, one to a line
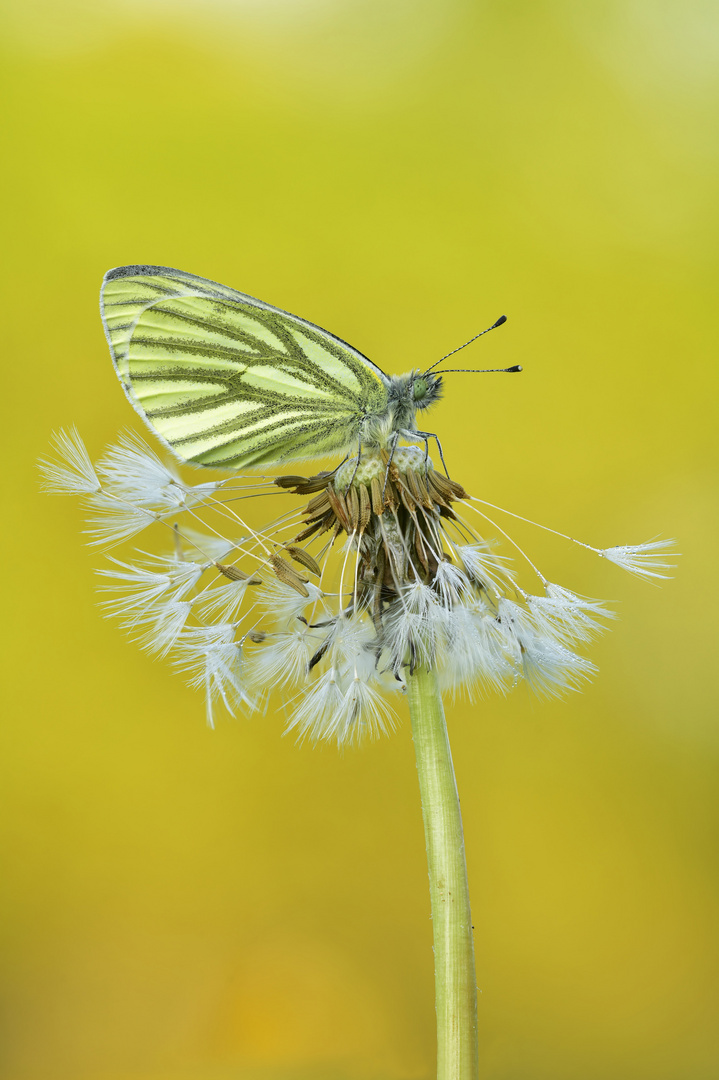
[227, 380]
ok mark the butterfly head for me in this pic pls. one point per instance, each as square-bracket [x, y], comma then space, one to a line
[408, 393]
[425, 389]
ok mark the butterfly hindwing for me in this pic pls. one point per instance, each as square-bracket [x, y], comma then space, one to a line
[227, 380]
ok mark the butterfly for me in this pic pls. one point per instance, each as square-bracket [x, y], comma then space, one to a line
[228, 381]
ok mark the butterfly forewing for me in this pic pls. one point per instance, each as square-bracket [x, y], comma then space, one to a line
[228, 380]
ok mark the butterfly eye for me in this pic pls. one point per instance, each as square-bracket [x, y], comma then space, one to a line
[419, 389]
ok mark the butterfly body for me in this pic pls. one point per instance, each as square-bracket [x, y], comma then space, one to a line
[229, 381]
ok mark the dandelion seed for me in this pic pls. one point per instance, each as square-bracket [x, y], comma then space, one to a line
[351, 645]
[213, 658]
[546, 664]
[143, 585]
[341, 708]
[320, 709]
[285, 603]
[284, 659]
[486, 568]
[189, 543]
[364, 714]
[74, 473]
[223, 602]
[550, 669]
[647, 560]
[161, 625]
[134, 473]
[475, 657]
[415, 624]
[111, 522]
[569, 617]
[451, 584]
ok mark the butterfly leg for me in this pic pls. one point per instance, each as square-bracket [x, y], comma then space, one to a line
[395, 440]
[359, 453]
[420, 436]
[425, 436]
[426, 454]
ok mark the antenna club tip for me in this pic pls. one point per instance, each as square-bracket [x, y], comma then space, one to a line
[517, 367]
[500, 320]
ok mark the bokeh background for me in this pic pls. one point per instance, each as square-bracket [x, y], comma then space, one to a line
[181, 903]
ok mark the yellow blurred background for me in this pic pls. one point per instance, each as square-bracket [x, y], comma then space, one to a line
[182, 904]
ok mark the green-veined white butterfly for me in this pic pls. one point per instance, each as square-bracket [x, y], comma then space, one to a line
[229, 381]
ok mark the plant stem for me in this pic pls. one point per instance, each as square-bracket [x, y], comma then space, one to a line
[454, 974]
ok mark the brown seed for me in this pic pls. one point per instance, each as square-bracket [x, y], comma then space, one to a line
[352, 501]
[235, 574]
[320, 503]
[457, 490]
[315, 483]
[391, 498]
[376, 493]
[337, 503]
[304, 558]
[290, 481]
[407, 499]
[257, 636]
[308, 531]
[412, 481]
[420, 549]
[287, 575]
[418, 487]
[320, 653]
[327, 523]
[448, 489]
[365, 510]
[436, 493]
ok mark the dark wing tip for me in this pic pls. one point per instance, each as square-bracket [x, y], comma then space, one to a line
[139, 271]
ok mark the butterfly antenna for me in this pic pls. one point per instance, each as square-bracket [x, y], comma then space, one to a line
[500, 320]
[483, 370]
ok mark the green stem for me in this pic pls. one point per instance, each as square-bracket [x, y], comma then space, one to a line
[454, 974]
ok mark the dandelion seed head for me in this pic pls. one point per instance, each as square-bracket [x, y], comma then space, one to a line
[339, 601]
